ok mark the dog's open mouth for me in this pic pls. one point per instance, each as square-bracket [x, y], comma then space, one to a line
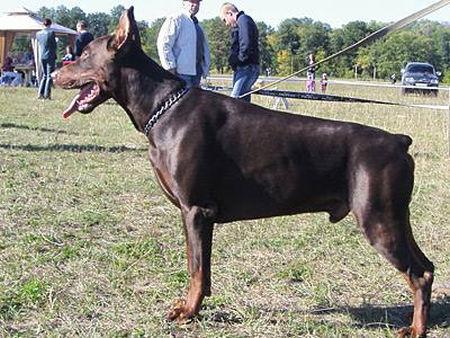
[86, 100]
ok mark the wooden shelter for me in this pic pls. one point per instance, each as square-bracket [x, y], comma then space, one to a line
[24, 22]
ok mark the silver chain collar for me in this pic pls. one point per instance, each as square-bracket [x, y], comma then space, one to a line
[167, 104]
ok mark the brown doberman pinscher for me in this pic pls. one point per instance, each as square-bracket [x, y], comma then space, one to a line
[220, 159]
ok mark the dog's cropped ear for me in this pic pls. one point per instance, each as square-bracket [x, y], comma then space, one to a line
[127, 30]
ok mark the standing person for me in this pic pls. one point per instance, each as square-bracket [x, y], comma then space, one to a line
[83, 38]
[244, 52]
[393, 79]
[311, 74]
[47, 48]
[182, 46]
[324, 83]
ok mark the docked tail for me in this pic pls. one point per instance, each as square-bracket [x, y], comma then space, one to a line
[405, 141]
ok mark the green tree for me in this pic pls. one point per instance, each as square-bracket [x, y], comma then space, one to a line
[287, 35]
[284, 63]
[45, 12]
[69, 17]
[149, 37]
[267, 52]
[284, 50]
[301, 37]
[390, 55]
[98, 23]
[219, 43]
[345, 37]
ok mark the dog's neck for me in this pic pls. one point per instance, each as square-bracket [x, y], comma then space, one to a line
[143, 87]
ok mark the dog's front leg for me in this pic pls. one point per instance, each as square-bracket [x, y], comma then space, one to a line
[198, 230]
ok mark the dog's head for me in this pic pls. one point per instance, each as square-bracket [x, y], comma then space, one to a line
[93, 72]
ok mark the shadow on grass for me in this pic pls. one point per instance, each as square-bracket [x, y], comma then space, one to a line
[398, 316]
[365, 317]
[21, 126]
[74, 148]
[374, 317]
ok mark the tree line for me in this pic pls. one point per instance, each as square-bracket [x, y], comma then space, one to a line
[284, 49]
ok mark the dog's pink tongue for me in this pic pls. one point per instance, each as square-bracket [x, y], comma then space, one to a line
[72, 108]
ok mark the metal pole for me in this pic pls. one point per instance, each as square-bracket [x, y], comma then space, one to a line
[448, 123]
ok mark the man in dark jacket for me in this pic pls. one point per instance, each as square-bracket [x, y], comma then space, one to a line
[83, 38]
[244, 52]
[47, 48]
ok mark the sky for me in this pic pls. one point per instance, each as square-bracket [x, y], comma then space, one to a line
[334, 12]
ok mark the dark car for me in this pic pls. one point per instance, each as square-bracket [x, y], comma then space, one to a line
[420, 76]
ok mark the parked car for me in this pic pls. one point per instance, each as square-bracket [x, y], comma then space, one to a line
[420, 77]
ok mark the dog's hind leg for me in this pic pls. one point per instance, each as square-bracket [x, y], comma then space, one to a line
[199, 231]
[395, 242]
[420, 280]
[380, 204]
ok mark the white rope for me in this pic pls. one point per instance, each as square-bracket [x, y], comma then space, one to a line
[370, 38]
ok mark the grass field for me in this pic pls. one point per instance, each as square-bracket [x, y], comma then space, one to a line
[90, 247]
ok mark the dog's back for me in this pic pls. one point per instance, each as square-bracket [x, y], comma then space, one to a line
[258, 163]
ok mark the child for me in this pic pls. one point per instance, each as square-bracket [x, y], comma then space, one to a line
[324, 83]
[69, 57]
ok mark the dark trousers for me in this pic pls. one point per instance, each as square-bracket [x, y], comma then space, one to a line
[45, 86]
[243, 79]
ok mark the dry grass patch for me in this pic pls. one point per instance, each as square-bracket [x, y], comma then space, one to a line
[90, 247]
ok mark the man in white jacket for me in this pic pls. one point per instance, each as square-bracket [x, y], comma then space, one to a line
[182, 45]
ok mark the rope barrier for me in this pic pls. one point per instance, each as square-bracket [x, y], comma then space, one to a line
[327, 97]
[370, 38]
[362, 83]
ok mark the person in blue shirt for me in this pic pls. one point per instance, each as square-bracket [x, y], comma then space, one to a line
[83, 39]
[244, 51]
[47, 47]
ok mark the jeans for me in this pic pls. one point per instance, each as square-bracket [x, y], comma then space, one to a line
[45, 87]
[191, 80]
[243, 79]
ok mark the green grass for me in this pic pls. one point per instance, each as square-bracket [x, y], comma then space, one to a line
[89, 246]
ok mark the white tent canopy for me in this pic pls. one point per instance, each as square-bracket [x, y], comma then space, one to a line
[23, 21]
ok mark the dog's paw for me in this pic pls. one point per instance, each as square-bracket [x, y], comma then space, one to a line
[410, 332]
[180, 312]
